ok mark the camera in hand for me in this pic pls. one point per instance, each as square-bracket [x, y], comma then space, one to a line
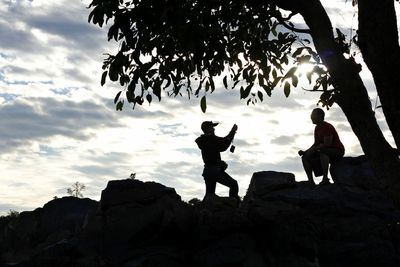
[232, 149]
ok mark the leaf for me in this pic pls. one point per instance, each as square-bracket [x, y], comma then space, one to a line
[168, 82]
[113, 32]
[198, 88]
[103, 78]
[139, 100]
[286, 89]
[274, 74]
[295, 80]
[252, 70]
[119, 105]
[290, 73]
[157, 90]
[261, 80]
[298, 51]
[324, 98]
[276, 81]
[245, 93]
[274, 32]
[309, 75]
[260, 96]
[90, 15]
[212, 84]
[207, 86]
[124, 79]
[149, 98]
[151, 72]
[324, 85]
[246, 73]
[267, 89]
[130, 96]
[225, 82]
[285, 60]
[113, 73]
[203, 104]
[117, 97]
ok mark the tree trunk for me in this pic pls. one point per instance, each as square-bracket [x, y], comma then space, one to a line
[379, 45]
[352, 98]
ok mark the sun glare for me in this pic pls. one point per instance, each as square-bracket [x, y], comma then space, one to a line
[304, 69]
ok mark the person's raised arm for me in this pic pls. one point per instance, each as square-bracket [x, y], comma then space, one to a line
[232, 133]
[227, 140]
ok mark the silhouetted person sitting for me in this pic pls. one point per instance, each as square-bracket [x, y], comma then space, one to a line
[214, 168]
[327, 148]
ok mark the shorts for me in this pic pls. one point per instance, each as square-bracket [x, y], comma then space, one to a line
[334, 154]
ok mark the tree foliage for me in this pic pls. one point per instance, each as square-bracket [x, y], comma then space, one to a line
[180, 47]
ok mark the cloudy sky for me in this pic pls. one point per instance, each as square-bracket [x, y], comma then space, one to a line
[59, 126]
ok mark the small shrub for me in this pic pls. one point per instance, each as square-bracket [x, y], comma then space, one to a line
[76, 190]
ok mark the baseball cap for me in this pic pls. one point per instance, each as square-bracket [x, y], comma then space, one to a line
[207, 124]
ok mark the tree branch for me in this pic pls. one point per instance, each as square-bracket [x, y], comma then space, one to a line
[283, 20]
[293, 28]
[318, 90]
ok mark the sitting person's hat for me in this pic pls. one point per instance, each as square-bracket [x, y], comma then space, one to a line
[207, 124]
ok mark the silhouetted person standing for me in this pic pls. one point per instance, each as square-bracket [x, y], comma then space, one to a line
[327, 147]
[214, 168]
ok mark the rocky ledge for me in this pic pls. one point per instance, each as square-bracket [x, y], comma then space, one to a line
[280, 222]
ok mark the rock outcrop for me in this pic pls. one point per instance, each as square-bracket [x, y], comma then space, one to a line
[354, 172]
[32, 233]
[280, 222]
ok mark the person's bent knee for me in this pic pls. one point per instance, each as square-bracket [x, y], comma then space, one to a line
[234, 188]
[305, 159]
[322, 154]
[236, 185]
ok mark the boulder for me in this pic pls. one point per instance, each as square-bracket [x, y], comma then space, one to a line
[133, 211]
[304, 224]
[121, 192]
[264, 182]
[354, 172]
[65, 214]
[218, 215]
[31, 231]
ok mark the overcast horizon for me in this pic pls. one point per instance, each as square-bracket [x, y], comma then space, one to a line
[59, 126]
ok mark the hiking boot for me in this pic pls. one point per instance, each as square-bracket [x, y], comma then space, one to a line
[325, 182]
[311, 183]
[238, 202]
